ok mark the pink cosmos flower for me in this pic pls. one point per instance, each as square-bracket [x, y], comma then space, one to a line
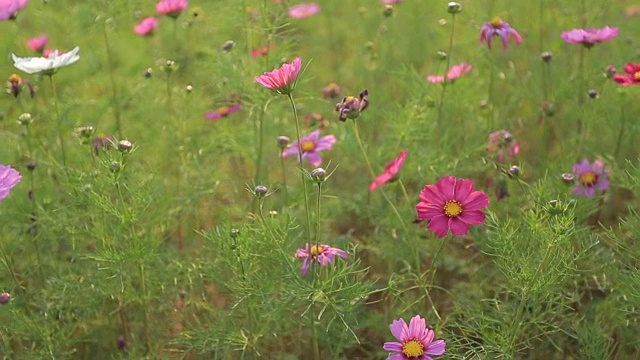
[391, 171]
[351, 106]
[632, 76]
[497, 27]
[304, 10]
[171, 8]
[146, 27]
[589, 37]
[502, 144]
[323, 254]
[590, 178]
[416, 340]
[261, 51]
[9, 177]
[38, 43]
[222, 112]
[451, 204]
[391, 2]
[282, 80]
[455, 72]
[8, 8]
[311, 145]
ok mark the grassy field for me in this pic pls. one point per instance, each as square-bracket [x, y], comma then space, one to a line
[157, 218]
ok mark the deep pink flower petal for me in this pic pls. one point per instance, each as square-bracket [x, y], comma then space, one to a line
[380, 180]
[439, 225]
[463, 188]
[392, 346]
[397, 357]
[326, 143]
[446, 186]
[428, 211]
[435, 79]
[436, 348]
[475, 217]
[431, 194]
[475, 201]
[458, 227]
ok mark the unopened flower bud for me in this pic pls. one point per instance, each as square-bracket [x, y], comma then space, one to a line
[319, 174]
[115, 166]
[5, 297]
[228, 45]
[235, 233]
[283, 141]
[189, 89]
[85, 131]
[25, 119]
[122, 342]
[369, 45]
[546, 56]
[514, 170]
[169, 66]
[610, 71]
[388, 10]
[553, 203]
[593, 93]
[125, 145]
[260, 190]
[442, 55]
[568, 178]
[148, 72]
[454, 7]
[31, 165]
[182, 293]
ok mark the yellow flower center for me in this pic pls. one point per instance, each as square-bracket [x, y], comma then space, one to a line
[452, 208]
[315, 250]
[224, 111]
[588, 178]
[413, 348]
[636, 75]
[308, 146]
[496, 23]
[15, 79]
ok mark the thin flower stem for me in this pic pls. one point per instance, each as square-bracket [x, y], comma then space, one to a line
[623, 121]
[145, 306]
[581, 90]
[59, 125]
[112, 79]
[433, 269]
[302, 174]
[445, 82]
[317, 232]
[404, 191]
[33, 227]
[490, 100]
[7, 263]
[373, 175]
[314, 338]
[284, 180]
[260, 131]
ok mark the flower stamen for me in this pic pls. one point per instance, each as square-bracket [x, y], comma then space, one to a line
[308, 146]
[588, 178]
[413, 348]
[452, 208]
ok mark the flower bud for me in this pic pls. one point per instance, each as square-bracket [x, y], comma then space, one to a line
[169, 66]
[228, 45]
[85, 132]
[546, 56]
[5, 297]
[283, 141]
[568, 178]
[148, 72]
[388, 10]
[122, 342]
[260, 191]
[235, 233]
[454, 7]
[318, 174]
[610, 71]
[189, 89]
[514, 171]
[442, 55]
[115, 166]
[25, 119]
[125, 146]
[182, 293]
[31, 165]
[593, 93]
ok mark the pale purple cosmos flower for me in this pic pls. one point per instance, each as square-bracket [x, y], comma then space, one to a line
[304, 10]
[9, 177]
[455, 72]
[8, 8]
[38, 43]
[591, 177]
[146, 27]
[497, 27]
[311, 145]
[416, 340]
[323, 254]
[589, 37]
[222, 112]
[283, 79]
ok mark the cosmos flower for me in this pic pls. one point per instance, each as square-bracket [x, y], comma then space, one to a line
[171, 8]
[15, 84]
[38, 43]
[632, 76]
[502, 145]
[455, 72]
[146, 27]
[391, 171]
[351, 106]
[497, 27]
[311, 145]
[589, 37]
[591, 177]
[416, 340]
[46, 65]
[323, 254]
[9, 8]
[282, 80]
[9, 178]
[331, 91]
[222, 112]
[451, 204]
[261, 51]
[102, 142]
[391, 2]
[305, 10]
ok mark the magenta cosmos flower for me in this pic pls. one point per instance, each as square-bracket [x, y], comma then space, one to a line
[323, 254]
[305, 10]
[8, 8]
[38, 43]
[222, 112]
[282, 80]
[9, 177]
[391, 171]
[416, 340]
[311, 145]
[503, 146]
[171, 8]
[146, 27]
[455, 72]
[497, 27]
[589, 37]
[590, 178]
[632, 76]
[351, 106]
[451, 204]
[391, 2]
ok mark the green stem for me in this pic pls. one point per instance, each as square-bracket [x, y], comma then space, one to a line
[284, 180]
[59, 125]
[446, 80]
[623, 122]
[490, 100]
[145, 305]
[314, 338]
[302, 174]
[433, 269]
[317, 232]
[256, 177]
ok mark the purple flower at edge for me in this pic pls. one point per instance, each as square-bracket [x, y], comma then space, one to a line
[497, 27]
[323, 254]
[416, 340]
[591, 177]
[590, 37]
[311, 145]
[9, 177]
[222, 112]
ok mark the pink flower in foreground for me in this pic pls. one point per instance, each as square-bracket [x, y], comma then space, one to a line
[455, 72]
[146, 27]
[350, 107]
[222, 112]
[282, 80]
[9, 177]
[171, 8]
[416, 340]
[632, 76]
[497, 27]
[590, 178]
[8, 8]
[391, 2]
[451, 204]
[589, 37]
[391, 171]
[38, 43]
[502, 145]
[304, 10]
[323, 254]
[311, 145]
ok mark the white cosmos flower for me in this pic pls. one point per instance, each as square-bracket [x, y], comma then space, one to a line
[46, 65]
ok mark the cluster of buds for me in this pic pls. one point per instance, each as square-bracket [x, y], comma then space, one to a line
[502, 144]
[169, 66]
[351, 106]
[85, 133]
[15, 84]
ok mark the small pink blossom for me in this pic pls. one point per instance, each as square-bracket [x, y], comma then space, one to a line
[391, 171]
[416, 340]
[311, 145]
[8, 9]
[38, 43]
[323, 254]
[503, 146]
[305, 10]
[631, 76]
[589, 37]
[591, 177]
[391, 2]
[171, 8]
[9, 178]
[222, 112]
[282, 80]
[451, 204]
[502, 29]
[455, 72]
[146, 27]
